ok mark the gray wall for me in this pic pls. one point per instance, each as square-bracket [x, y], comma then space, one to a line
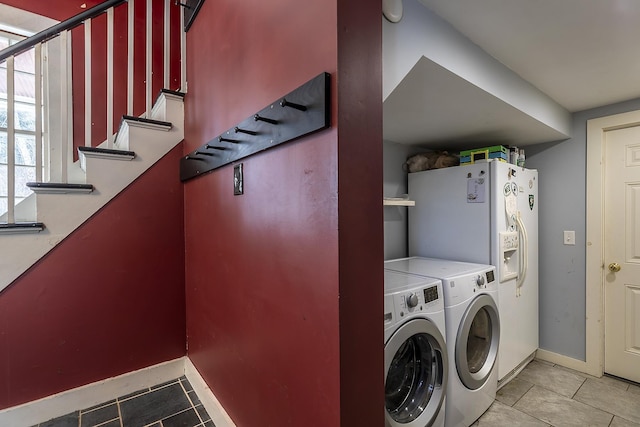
[395, 185]
[562, 177]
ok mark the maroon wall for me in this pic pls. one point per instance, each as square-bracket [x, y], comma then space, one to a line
[107, 300]
[284, 283]
[54, 10]
[360, 212]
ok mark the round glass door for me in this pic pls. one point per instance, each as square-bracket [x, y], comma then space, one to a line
[416, 374]
[477, 342]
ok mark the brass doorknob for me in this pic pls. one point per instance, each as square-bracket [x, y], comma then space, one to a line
[614, 267]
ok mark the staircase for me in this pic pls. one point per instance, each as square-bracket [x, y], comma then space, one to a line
[66, 193]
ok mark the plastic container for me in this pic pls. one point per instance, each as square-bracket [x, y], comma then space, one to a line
[521, 158]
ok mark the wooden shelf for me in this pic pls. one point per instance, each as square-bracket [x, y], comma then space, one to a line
[398, 202]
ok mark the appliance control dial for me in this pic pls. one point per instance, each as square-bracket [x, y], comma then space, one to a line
[480, 281]
[412, 300]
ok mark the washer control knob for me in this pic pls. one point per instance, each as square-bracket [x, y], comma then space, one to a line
[412, 300]
[480, 281]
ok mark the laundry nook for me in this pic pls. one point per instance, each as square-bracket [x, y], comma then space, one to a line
[473, 156]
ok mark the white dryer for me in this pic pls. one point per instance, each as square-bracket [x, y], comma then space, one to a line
[473, 332]
[415, 352]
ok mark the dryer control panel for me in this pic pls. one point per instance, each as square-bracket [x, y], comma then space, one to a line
[484, 281]
[431, 294]
[416, 301]
[419, 300]
[408, 295]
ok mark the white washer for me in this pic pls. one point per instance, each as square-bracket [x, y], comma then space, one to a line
[416, 363]
[473, 332]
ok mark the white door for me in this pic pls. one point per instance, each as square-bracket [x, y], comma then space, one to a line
[622, 252]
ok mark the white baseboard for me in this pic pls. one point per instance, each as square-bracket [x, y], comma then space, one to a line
[37, 411]
[209, 401]
[567, 362]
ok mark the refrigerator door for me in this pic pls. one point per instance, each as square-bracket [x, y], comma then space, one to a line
[451, 217]
[514, 252]
[528, 291]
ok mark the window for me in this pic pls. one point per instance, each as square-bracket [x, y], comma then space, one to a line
[24, 122]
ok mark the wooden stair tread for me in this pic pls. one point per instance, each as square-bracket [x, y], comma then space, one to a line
[21, 227]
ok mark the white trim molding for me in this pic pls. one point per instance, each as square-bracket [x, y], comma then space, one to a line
[89, 395]
[215, 410]
[596, 129]
[566, 361]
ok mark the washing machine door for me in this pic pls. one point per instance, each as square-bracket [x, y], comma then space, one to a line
[477, 342]
[416, 369]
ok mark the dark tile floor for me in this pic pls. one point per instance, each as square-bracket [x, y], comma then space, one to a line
[172, 404]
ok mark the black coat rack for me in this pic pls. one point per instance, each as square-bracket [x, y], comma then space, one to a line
[300, 112]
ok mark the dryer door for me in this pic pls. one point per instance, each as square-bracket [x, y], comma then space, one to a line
[416, 369]
[477, 342]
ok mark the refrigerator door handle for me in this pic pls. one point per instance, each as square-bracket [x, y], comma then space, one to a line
[524, 246]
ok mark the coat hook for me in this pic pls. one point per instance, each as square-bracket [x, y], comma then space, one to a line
[204, 154]
[258, 117]
[285, 103]
[223, 139]
[194, 158]
[213, 147]
[248, 132]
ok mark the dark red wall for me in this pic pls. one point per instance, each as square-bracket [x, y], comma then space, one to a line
[107, 300]
[55, 10]
[360, 212]
[284, 283]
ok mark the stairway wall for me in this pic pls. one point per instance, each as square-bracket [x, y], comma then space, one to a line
[284, 283]
[107, 300]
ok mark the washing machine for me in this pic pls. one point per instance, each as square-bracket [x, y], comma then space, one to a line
[416, 363]
[473, 332]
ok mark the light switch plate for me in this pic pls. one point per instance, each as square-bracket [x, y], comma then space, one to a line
[569, 237]
[238, 180]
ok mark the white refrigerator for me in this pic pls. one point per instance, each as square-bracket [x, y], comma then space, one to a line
[486, 213]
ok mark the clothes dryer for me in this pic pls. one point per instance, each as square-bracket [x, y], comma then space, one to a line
[415, 352]
[473, 332]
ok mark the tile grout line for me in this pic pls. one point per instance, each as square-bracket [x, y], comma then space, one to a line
[82, 415]
[600, 409]
[191, 402]
[526, 413]
[573, 400]
[119, 412]
[578, 389]
[104, 422]
[173, 415]
[518, 400]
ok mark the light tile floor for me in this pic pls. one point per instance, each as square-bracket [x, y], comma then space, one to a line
[544, 394]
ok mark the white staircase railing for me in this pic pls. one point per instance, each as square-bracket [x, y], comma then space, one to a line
[48, 136]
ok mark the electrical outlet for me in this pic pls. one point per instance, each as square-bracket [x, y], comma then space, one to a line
[569, 237]
[238, 180]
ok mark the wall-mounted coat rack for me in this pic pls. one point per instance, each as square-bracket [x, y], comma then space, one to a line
[191, 9]
[298, 113]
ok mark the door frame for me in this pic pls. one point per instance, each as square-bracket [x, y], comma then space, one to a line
[596, 129]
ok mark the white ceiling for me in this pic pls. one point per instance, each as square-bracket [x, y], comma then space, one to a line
[581, 53]
[433, 107]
